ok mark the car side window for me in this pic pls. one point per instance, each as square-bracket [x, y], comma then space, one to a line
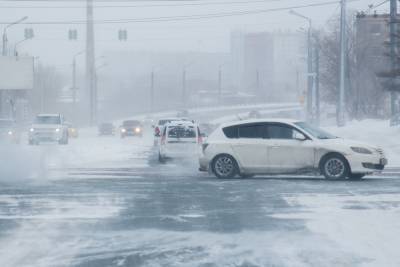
[231, 131]
[255, 131]
[276, 131]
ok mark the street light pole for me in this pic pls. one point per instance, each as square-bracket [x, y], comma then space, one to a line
[342, 77]
[310, 78]
[219, 85]
[74, 87]
[90, 59]
[393, 57]
[5, 40]
[16, 45]
[184, 87]
[152, 92]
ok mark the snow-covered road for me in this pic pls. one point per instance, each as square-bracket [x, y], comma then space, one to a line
[105, 201]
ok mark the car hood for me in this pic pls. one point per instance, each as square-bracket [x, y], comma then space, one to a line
[340, 143]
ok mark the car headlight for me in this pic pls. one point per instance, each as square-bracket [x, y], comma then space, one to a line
[123, 130]
[57, 130]
[361, 150]
[10, 133]
[31, 130]
[138, 130]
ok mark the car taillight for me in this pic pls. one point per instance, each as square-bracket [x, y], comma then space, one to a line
[200, 139]
[157, 131]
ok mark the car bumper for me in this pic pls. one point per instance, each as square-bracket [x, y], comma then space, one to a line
[204, 164]
[45, 137]
[367, 163]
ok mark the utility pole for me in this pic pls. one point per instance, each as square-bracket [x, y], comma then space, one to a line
[219, 85]
[152, 92]
[343, 61]
[393, 56]
[90, 52]
[316, 81]
[258, 83]
[184, 87]
[74, 86]
[74, 80]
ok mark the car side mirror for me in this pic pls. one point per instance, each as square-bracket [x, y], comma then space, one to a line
[299, 136]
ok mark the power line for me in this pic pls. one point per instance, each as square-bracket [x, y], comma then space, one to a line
[152, 5]
[183, 17]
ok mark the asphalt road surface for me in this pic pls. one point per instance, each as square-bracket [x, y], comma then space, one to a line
[106, 201]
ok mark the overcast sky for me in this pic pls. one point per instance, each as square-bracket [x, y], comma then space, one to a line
[212, 34]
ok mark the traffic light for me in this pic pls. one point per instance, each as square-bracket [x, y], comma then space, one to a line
[122, 35]
[73, 35]
[28, 33]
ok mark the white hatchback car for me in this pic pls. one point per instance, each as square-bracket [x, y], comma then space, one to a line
[252, 147]
[179, 139]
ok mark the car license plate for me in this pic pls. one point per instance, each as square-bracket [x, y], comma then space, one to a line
[383, 161]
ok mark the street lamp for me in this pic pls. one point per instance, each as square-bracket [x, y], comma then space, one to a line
[17, 44]
[74, 88]
[310, 78]
[5, 33]
[184, 83]
[95, 93]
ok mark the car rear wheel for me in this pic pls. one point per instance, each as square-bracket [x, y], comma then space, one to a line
[335, 167]
[225, 166]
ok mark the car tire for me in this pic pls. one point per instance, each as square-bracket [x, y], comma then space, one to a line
[246, 175]
[224, 166]
[356, 176]
[334, 167]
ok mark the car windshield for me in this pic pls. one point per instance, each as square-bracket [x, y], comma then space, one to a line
[181, 132]
[48, 120]
[6, 123]
[314, 131]
[130, 123]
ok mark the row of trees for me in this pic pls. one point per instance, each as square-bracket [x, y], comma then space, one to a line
[367, 72]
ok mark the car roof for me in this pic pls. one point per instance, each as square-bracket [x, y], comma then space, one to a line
[48, 115]
[180, 123]
[173, 119]
[289, 121]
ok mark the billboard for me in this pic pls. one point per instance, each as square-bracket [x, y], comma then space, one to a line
[16, 73]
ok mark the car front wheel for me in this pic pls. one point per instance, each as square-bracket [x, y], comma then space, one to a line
[335, 167]
[225, 166]
[356, 176]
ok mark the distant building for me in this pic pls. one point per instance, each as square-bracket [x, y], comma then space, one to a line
[269, 64]
[372, 32]
[253, 56]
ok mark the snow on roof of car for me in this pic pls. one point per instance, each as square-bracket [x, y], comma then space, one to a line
[177, 123]
[48, 115]
[258, 120]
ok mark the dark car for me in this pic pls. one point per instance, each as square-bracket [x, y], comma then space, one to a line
[131, 128]
[106, 128]
[9, 131]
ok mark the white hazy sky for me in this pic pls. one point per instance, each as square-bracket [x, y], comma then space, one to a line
[52, 46]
